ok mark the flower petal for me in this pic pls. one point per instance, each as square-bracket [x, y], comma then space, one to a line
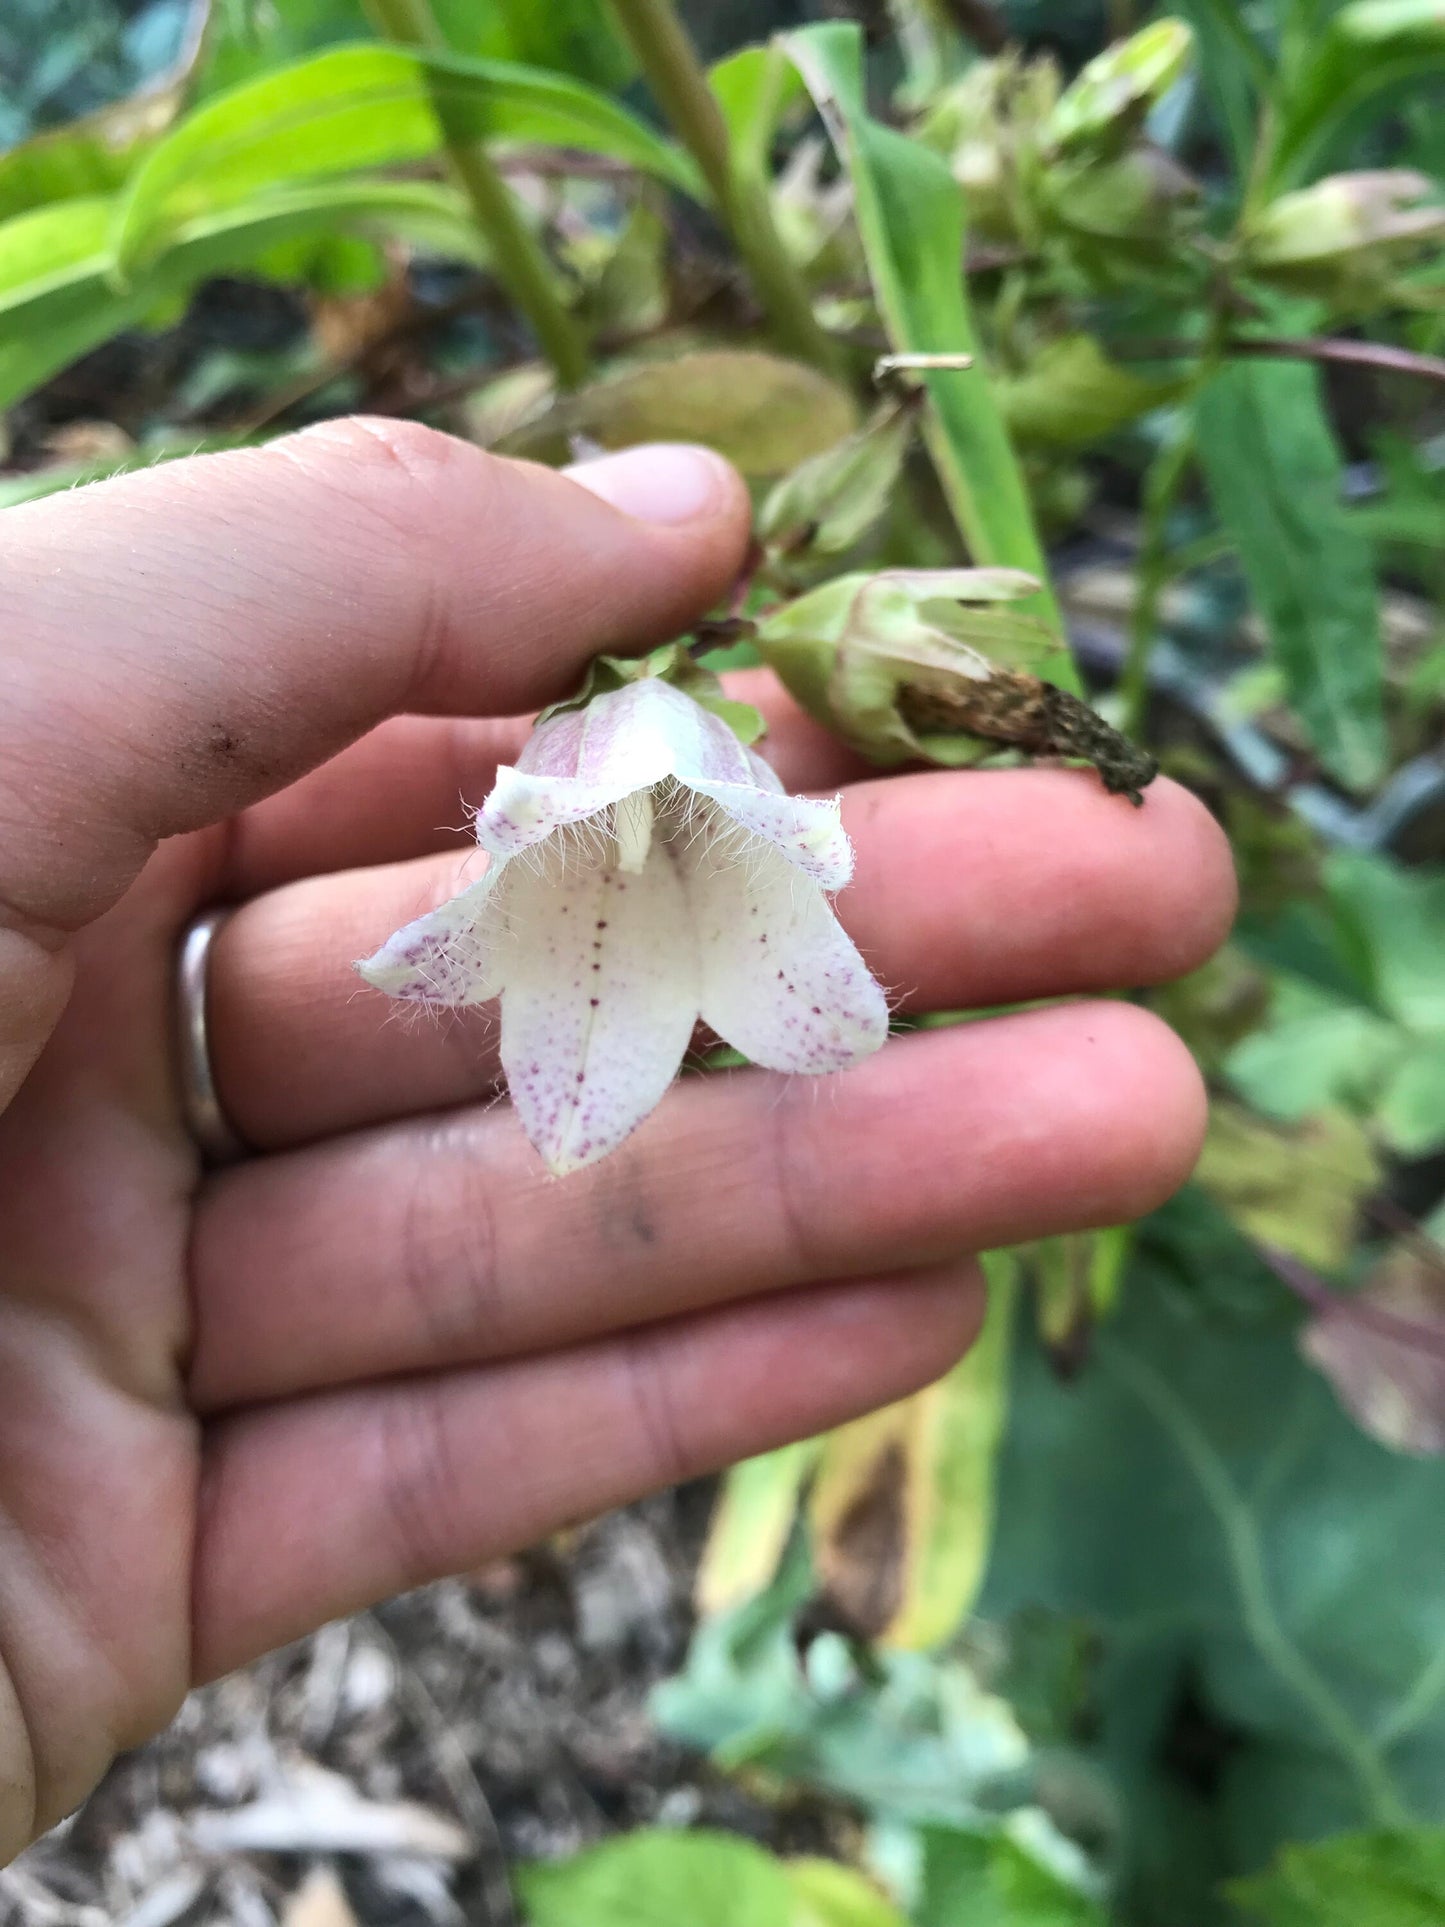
[448, 956]
[585, 760]
[808, 832]
[781, 980]
[600, 1001]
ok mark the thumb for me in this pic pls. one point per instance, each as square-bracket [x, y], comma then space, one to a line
[183, 642]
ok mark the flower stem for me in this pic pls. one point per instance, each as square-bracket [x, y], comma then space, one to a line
[675, 74]
[1162, 483]
[520, 263]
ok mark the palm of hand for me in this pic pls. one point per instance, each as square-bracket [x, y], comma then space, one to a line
[232, 1406]
[99, 1450]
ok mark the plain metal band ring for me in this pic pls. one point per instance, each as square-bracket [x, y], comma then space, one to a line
[201, 1108]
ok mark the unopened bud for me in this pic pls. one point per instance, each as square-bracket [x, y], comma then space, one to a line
[1138, 198]
[933, 665]
[1110, 98]
[1351, 224]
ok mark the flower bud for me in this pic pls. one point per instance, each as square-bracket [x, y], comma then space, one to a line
[1347, 227]
[1104, 105]
[1140, 198]
[933, 665]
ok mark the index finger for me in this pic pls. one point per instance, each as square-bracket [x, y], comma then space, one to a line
[184, 641]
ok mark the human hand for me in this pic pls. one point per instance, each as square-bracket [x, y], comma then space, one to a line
[235, 1404]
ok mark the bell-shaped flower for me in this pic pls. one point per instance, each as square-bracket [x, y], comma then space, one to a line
[647, 871]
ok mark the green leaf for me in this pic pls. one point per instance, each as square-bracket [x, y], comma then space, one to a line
[829, 1895]
[1199, 1499]
[1368, 53]
[752, 1524]
[364, 107]
[1300, 1189]
[755, 87]
[1411, 1109]
[1274, 472]
[990, 1879]
[1400, 917]
[1314, 1052]
[902, 1507]
[919, 1739]
[1383, 1879]
[94, 155]
[58, 301]
[762, 411]
[910, 216]
[661, 1879]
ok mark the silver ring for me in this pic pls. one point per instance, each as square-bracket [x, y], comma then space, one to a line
[201, 1108]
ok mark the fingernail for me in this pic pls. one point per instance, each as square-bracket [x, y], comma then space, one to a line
[661, 482]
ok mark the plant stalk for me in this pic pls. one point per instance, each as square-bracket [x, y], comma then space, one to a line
[676, 76]
[520, 264]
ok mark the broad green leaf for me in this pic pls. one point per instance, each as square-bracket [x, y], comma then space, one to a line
[1197, 1496]
[990, 1879]
[363, 107]
[1411, 1109]
[752, 1524]
[763, 412]
[1400, 916]
[656, 1878]
[902, 1507]
[826, 1894]
[1275, 476]
[57, 299]
[911, 218]
[1383, 1879]
[1315, 1051]
[918, 1740]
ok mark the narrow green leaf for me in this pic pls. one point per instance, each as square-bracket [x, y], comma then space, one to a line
[365, 107]
[1274, 472]
[1384, 1879]
[911, 219]
[1369, 52]
[58, 301]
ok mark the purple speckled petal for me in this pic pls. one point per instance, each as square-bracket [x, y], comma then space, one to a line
[595, 1021]
[808, 833]
[781, 980]
[448, 956]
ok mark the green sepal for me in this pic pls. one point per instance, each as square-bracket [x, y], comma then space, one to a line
[671, 663]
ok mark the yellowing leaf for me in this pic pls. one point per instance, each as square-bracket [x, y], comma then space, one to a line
[830, 1895]
[1297, 1188]
[751, 1525]
[902, 1509]
[763, 412]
